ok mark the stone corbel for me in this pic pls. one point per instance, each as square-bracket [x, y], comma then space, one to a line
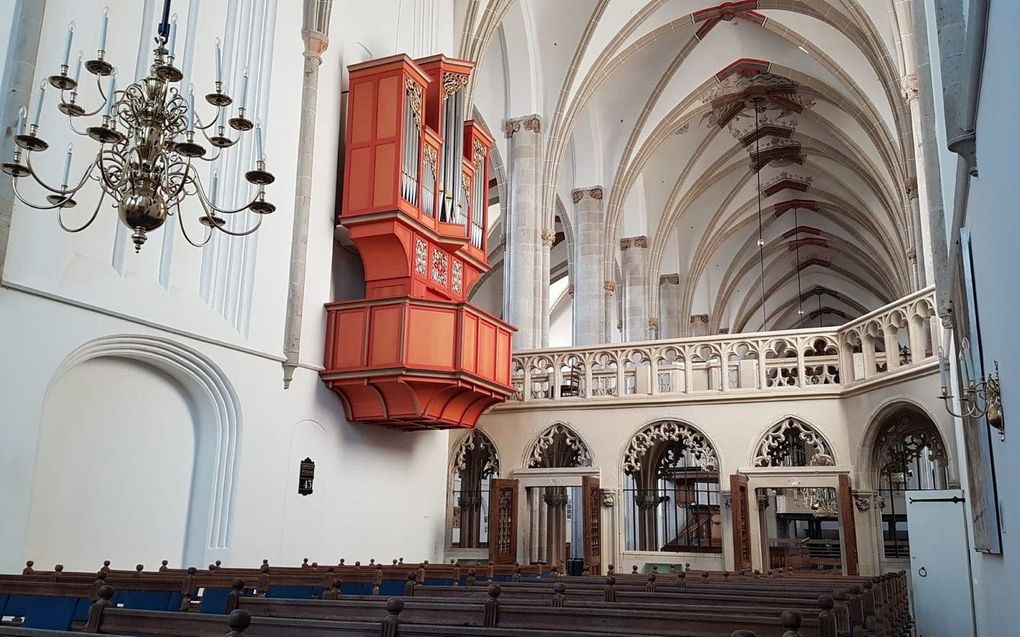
[635, 242]
[863, 500]
[609, 287]
[669, 279]
[608, 498]
[727, 499]
[548, 236]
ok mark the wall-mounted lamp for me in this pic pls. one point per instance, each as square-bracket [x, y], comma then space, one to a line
[980, 398]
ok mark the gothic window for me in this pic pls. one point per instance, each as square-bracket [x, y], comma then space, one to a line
[475, 464]
[671, 490]
[793, 443]
[909, 455]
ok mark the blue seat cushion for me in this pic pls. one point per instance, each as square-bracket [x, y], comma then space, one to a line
[143, 600]
[438, 581]
[357, 588]
[214, 600]
[392, 587]
[292, 592]
[81, 610]
[174, 603]
[53, 613]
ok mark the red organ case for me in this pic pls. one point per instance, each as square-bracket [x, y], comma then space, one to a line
[414, 354]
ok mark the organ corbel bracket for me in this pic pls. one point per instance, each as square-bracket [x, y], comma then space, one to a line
[431, 157]
[414, 95]
[453, 82]
[609, 287]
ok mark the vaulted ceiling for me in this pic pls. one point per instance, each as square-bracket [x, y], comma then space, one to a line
[649, 99]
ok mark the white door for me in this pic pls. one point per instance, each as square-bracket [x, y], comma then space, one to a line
[940, 564]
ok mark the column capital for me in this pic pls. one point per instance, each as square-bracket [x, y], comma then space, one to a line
[634, 242]
[592, 192]
[315, 43]
[910, 188]
[570, 290]
[609, 287]
[909, 86]
[548, 236]
[531, 123]
[699, 318]
[653, 324]
[670, 279]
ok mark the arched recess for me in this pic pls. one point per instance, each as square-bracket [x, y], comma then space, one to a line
[792, 442]
[475, 462]
[217, 419]
[671, 490]
[906, 453]
[558, 446]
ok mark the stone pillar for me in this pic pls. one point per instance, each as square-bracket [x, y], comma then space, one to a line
[634, 258]
[556, 553]
[18, 83]
[522, 265]
[315, 34]
[589, 288]
[542, 282]
[669, 306]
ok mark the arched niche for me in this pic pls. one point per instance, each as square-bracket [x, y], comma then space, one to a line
[908, 454]
[174, 375]
[475, 464]
[671, 490]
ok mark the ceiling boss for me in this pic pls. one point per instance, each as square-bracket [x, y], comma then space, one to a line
[150, 142]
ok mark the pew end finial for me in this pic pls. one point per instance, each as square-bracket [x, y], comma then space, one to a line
[791, 621]
[238, 621]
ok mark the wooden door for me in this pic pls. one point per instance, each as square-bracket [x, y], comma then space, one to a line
[591, 496]
[846, 520]
[503, 522]
[740, 511]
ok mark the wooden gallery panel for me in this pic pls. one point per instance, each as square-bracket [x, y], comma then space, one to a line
[431, 337]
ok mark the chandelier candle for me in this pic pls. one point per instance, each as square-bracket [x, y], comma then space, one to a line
[67, 46]
[77, 69]
[150, 144]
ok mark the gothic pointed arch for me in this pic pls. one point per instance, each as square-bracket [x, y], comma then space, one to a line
[558, 446]
[475, 464]
[671, 490]
[793, 443]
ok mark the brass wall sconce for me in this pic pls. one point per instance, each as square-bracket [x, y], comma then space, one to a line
[980, 398]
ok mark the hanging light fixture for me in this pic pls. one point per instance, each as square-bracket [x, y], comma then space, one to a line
[756, 102]
[149, 145]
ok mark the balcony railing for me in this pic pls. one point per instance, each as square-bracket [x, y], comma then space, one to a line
[902, 335]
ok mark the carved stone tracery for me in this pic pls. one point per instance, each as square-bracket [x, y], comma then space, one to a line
[559, 446]
[692, 440]
[792, 443]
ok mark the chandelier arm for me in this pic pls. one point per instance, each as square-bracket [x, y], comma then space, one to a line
[95, 213]
[110, 186]
[87, 113]
[198, 120]
[219, 151]
[186, 178]
[58, 191]
[241, 209]
[184, 231]
[17, 193]
[243, 233]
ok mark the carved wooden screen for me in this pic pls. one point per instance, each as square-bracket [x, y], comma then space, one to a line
[592, 526]
[503, 522]
[740, 510]
[846, 518]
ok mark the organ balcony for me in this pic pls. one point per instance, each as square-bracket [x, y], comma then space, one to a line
[414, 353]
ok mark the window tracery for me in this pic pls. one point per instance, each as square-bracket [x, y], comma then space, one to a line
[475, 464]
[559, 446]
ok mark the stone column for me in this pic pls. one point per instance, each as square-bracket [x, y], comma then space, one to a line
[18, 83]
[556, 499]
[589, 288]
[542, 282]
[522, 265]
[634, 258]
[315, 35]
[669, 306]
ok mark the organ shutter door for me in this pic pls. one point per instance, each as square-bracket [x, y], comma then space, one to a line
[740, 510]
[846, 520]
[592, 526]
[503, 522]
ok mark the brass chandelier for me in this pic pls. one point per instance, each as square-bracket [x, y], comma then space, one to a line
[149, 144]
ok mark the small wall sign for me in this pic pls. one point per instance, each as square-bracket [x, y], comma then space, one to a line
[305, 477]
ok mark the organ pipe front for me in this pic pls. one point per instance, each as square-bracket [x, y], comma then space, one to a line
[414, 354]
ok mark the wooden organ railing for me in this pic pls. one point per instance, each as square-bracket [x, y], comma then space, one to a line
[414, 353]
